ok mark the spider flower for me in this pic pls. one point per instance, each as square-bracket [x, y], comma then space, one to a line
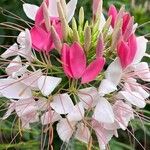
[103, 61]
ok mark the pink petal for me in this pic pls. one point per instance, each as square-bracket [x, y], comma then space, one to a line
[126, 19]
[66, 60]
[112, 12]
[39, 16]
[77, 60]
[93, 70]
[133, 47]
[123, 53]
[41, 40]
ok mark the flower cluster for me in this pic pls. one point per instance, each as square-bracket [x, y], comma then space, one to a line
[85, 75]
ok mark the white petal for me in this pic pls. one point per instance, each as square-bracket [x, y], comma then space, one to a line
[14, 66]
[53, 12]
[123, 114]
[31, 79]
[25, 44]
[25, 106]
[14, 89]
[11, 51]
[82, 133]
[65, 130]
[71, 7]
[141, 49]
[77, 113]
[50, 117]
[29, 118]
[89, 97]
[62, 104]
[103, 135]
[47, 84]
[30, 10]
[132, 97]
[106, 87]
[11, 108]
[136, 87]
[142, 71]
[20, 72]
[103, 111]
[114, 72]
[43, 104]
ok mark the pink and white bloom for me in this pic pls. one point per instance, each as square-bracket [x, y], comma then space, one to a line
[116, 73]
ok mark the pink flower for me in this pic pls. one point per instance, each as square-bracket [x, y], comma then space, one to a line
[41, 36]
[74, 63]
[127, 51]
[128, 21]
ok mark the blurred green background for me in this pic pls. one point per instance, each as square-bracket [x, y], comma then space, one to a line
[31, 139]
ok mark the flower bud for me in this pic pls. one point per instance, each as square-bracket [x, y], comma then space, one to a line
[100, 47]
[76, 37]
[46, 17]
[64, 7]
[56, 39]
[81, 17]
[63, 20]
[87, 39]
[106, 27]
[116, 34]
[74, 24]
[129, 29]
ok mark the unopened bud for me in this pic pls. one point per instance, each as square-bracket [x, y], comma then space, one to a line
[64, 7]
[74, 24]
[106, 27]
[56, 39]
[87, 39]
[63, 20]
[129, 29]
[46, 16]
[81, 17]
[76, 36]
[120, 14]
[86, 25]
[116, 36]
[100, 47]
